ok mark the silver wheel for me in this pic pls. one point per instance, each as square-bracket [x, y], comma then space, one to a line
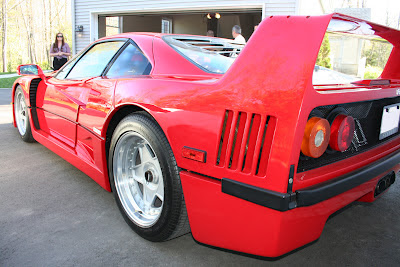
[138, 179]
[21, 112]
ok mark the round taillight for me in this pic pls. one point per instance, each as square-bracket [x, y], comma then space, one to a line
[342, 132]
[316, 137]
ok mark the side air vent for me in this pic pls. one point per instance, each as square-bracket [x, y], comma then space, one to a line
[32, 91]
[32, 99]
[245, 142]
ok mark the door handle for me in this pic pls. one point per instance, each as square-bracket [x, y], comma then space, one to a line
[94, 92]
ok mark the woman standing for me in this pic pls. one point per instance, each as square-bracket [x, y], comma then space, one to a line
[60, 51]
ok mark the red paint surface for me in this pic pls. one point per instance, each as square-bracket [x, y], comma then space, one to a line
[272, 78]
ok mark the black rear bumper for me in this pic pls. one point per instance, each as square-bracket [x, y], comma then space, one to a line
[310, 195]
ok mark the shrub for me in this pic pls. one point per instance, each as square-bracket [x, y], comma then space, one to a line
[45, 65]
[323, 58]
[372, 72]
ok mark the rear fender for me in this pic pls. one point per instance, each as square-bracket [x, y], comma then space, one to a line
[109, 128]
[150, 109]
[280, 56]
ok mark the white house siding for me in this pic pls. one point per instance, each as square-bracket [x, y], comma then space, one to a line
[86, 12]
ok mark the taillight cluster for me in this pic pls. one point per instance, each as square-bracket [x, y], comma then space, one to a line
[342, 132]
[316, 137]
[338, 133]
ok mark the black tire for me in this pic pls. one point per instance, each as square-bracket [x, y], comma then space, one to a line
[173, 220]
[24, 129]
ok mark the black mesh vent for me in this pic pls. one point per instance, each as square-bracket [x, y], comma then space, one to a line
[368, 116]
[32, 99]
[32, 91]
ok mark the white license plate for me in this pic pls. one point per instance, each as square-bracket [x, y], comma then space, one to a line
[390, 120]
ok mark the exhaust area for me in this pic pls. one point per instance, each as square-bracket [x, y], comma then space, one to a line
[384, 183]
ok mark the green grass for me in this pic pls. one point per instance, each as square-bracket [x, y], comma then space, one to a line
[10, 72]
[7, 82]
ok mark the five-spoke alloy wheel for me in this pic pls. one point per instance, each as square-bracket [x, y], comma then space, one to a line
[138, 179]
[145, 179]
[22, 116]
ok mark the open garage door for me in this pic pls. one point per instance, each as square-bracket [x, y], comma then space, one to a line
[187, 22]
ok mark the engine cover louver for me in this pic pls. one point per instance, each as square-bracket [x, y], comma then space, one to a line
[245, 142]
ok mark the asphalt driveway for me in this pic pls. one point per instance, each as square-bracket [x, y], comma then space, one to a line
[51, 214]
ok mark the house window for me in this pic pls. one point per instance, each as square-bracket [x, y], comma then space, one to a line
[166, 25]
[113, 25]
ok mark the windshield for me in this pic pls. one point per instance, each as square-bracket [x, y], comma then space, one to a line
[213, 55]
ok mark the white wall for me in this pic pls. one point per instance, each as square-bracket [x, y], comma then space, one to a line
[310, 8]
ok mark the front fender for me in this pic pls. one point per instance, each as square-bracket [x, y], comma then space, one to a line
[25, 83]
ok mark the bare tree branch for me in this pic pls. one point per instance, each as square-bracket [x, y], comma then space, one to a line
[16, 5]
[4, 37]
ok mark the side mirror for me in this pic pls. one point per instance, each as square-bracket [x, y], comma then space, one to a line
[30, 69]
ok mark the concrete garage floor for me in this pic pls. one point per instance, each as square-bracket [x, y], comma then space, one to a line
[51, 214]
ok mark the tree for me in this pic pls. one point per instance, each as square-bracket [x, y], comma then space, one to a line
[27, 29]
[4, 36]
[323, 58]
[377, 53]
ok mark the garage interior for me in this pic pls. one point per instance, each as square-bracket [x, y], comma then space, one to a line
[196, 23]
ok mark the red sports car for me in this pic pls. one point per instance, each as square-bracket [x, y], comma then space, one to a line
[233, 143]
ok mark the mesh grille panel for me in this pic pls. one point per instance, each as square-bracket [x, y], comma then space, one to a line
[32, 91]
[368, 117]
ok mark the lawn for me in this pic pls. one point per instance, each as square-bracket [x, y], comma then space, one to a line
[7, 82]
[10, 72]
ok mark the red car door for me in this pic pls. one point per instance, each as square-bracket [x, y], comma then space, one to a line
[69, 90]
[96, 104]
[60, 105]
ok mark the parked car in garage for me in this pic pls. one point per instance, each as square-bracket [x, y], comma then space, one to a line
[243, 151]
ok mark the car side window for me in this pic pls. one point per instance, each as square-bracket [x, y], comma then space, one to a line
[95, 60]
[130, 62]
[66, 68]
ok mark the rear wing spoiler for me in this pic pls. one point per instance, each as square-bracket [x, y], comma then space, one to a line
[289, 45]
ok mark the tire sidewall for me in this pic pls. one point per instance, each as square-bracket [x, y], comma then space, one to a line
[146, 127]
[28, 133]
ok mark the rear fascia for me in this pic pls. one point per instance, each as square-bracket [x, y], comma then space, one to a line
[285, 76]
[232, 223]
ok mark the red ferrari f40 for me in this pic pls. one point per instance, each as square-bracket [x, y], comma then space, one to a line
[250, 147]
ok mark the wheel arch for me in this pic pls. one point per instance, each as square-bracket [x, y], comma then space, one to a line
[26, 84]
